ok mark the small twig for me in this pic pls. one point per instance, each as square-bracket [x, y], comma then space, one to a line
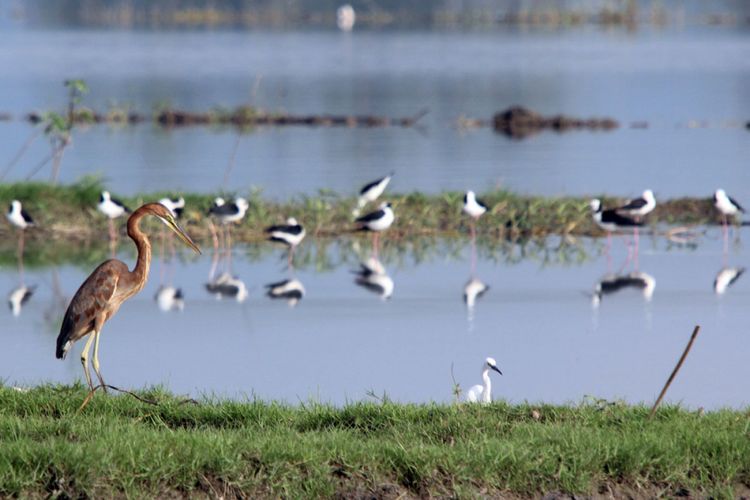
[20, 153]
[136, 396]
[674, 372]
[456, 387]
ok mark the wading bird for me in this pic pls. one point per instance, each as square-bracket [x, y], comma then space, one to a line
[169, 298]
[379, 220]
[112, 208]
[291, 234]
[638, 208]
[175, 205]
[610, 221]
[728, 207]
[483, 393]
[18, 217]
[474, 208]
[228, 213]
[371, 192]
[111, 284]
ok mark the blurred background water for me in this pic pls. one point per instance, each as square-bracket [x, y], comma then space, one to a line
[685, 78]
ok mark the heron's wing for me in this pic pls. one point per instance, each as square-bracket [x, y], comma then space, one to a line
[734, 202]
[371, 216]
[91, 299]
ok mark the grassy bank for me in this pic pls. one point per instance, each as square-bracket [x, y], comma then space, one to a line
[118, 446]
[69, 212]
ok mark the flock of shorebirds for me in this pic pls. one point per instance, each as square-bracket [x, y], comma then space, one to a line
[100, 296]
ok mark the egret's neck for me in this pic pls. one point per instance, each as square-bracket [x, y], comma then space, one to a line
[487, 391]
[143, 264]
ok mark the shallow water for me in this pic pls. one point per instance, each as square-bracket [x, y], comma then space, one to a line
[340, 341]
[667, 78]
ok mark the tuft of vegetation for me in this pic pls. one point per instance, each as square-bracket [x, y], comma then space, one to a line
[71, 210]
[118, 446]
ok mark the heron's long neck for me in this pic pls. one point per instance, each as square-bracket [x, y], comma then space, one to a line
[140, 271]
[486, 393]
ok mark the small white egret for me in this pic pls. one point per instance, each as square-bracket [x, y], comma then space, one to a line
[483, 393]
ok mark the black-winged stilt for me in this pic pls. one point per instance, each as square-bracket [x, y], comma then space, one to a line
[726, 277]
[474, 208]
[228, 213]
[290, 290]
[175, 205]
[377, 221]
[638, 208]
[112, 208]
[291, 234]
[19, 218]
[482, 393]
[372, 191]
[728, 207]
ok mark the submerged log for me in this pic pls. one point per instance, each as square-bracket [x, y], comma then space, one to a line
[242, 117]
[519, 122]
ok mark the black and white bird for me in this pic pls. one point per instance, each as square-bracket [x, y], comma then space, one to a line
[377, 221]
[169, 298]
[727, 205]
[290, 290]
[18, 297]
[482, 393]
[609, 219]
[111, 207]
[473, 290]
[227, 213]
[291, 234]
[228, 286]
[175, 205]
[18, 217]
[372, 191]
[726, 277]
[639, 207]
[473, 207]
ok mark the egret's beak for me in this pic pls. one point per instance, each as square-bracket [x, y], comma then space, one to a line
[496, 369]
[170, 222]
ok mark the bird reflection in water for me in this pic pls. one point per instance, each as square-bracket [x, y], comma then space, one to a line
[473, 290]
[18, 297]
[228, 286]
[291, 290]
[169, 298]
[373, 277]
[727, 277]
[20, 219]
[614, 283]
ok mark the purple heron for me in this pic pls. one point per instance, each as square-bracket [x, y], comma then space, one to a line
[111, 284]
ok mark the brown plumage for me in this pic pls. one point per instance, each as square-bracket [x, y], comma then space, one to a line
[111, 284]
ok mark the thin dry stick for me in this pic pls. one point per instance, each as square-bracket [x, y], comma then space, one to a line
[136, 396]
[674, 372]
[20, 153]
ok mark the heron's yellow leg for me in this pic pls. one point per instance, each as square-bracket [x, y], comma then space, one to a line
[95, 362]
[85, 359]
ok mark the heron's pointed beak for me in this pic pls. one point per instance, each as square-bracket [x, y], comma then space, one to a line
[496, 369]
[181, 234]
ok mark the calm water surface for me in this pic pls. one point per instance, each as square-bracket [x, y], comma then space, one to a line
[551, 340]
[665, 78]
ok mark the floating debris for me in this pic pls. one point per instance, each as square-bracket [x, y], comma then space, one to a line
[518, 122]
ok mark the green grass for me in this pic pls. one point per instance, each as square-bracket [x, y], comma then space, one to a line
[71, 210]
[118, 446]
